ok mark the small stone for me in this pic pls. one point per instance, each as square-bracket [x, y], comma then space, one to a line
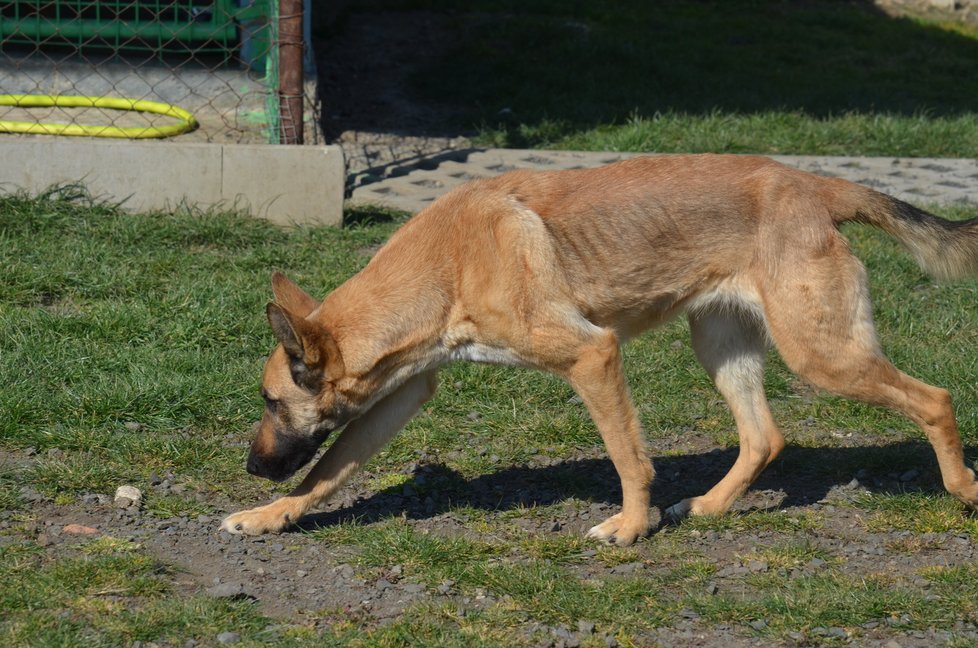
[133, 426]
[96, 499]
[677, 344]
[228, 638]
[79, 529]
[473, 416]
[446, 587]
[628, 568]
[757, 566]
[301, 573]
[758, 624]
[128, 497]
[585, 627]
[31, 495]
[712, 588]
[226, 591]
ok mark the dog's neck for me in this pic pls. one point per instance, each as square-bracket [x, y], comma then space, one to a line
[387, 318]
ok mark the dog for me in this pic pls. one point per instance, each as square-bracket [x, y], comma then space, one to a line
[555, 270]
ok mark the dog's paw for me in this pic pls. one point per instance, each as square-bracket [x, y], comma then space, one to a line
[619, 531]
[691, 506]
[679, 511]
[967, 491]
[272, 518]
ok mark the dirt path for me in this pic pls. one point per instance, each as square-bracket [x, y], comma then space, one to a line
[294, 576]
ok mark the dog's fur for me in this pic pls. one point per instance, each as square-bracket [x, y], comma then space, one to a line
[555, 270]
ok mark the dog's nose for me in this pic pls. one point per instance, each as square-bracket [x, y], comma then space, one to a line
[253, 466]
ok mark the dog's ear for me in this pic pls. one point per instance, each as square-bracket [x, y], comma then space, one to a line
[291, 296]
[308, 343]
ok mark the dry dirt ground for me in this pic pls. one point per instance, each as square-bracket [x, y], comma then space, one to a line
[294, 576]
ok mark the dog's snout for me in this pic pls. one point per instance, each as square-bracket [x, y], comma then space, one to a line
[254, 466]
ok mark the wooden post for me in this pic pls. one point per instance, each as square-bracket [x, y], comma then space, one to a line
[290, 81]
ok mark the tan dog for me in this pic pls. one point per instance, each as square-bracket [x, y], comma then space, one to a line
[555, 270]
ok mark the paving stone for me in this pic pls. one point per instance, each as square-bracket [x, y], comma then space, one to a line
[419, 181]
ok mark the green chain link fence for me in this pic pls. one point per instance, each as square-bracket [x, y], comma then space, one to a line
[217, 59]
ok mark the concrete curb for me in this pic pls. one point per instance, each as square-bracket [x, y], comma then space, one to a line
[284, 184]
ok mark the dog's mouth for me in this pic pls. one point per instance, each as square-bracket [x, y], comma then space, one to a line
[289, 458]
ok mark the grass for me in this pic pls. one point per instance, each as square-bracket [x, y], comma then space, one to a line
[817, 77]
[133, 346]
[921, 513]
[85, 600]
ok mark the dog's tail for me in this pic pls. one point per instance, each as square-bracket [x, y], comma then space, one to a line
[944, 249]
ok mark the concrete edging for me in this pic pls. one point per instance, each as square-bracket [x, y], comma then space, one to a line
[287, 185]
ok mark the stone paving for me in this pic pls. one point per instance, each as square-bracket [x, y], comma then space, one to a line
[412, 184]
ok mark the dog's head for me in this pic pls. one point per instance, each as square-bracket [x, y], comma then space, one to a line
[302, 402]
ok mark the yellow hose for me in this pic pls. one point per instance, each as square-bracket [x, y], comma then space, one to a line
[185, 124]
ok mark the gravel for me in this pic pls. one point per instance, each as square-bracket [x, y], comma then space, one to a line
[290, 574]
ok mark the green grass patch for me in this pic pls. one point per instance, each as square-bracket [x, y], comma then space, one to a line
[723, 76]
[831, 599]
[788, 555]
[775, 521]
[917, 512]
[171, 506]
[111, 594]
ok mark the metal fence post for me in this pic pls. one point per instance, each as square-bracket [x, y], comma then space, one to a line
[290, 90]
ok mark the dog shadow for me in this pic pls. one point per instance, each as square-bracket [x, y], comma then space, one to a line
[801, 475]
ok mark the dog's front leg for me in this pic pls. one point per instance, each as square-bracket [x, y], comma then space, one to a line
[598, 376]
[358, 442]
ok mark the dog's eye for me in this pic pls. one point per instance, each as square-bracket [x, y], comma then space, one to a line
[270, 402]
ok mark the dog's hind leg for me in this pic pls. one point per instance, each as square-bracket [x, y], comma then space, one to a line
[731, 346]
[821, 321]
[598, 377]
[359, 441]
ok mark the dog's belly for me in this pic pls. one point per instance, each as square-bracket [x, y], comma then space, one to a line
[630, 316]
[476, 352]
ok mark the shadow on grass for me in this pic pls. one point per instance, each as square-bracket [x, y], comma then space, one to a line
[566, 66]
[804, 474]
